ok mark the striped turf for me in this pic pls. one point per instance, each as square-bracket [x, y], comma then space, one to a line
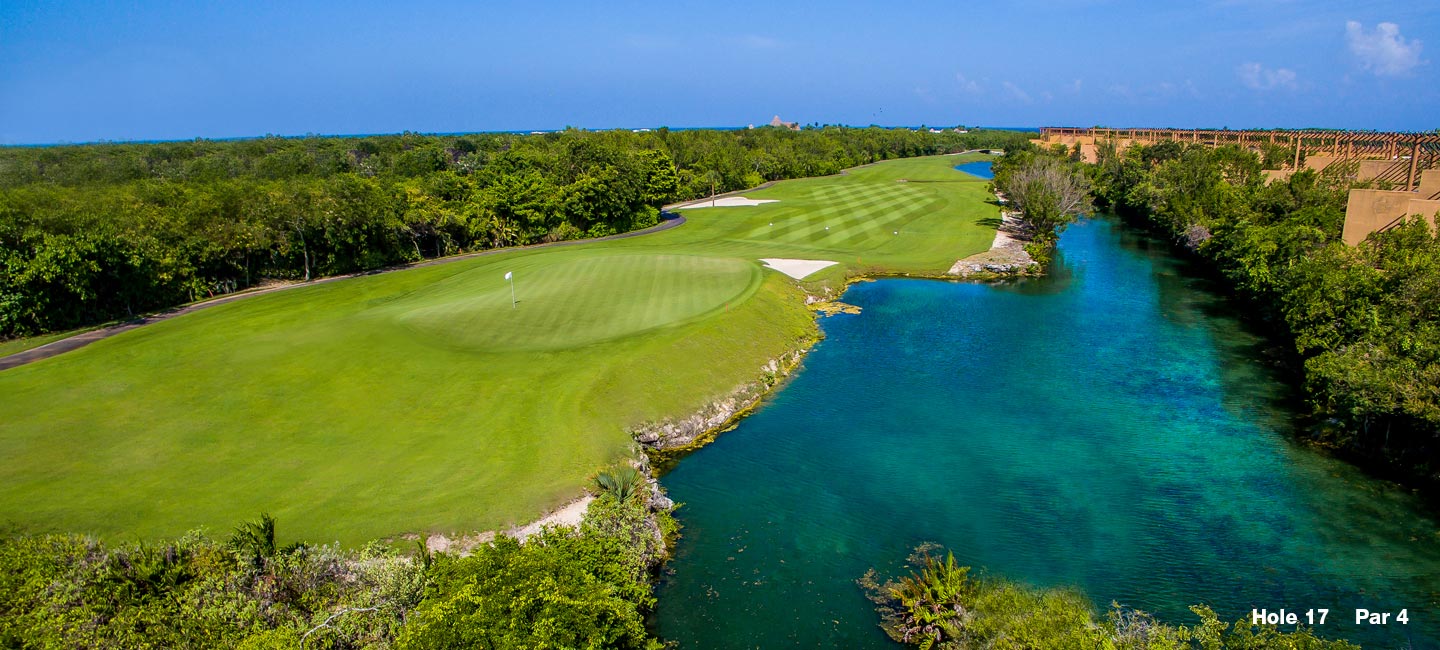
[420, 401]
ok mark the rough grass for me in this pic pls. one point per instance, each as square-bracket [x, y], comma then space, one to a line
[419, 400]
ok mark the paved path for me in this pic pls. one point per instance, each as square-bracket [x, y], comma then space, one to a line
[86, 338]
[670, 220]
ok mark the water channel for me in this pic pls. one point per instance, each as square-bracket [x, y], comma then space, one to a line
[1112, 426]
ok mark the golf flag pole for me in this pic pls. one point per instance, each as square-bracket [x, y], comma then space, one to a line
[510, 276]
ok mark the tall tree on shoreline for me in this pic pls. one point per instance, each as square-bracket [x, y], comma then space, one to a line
[1049, 192]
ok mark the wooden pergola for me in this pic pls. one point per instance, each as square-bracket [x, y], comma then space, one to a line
[1419, 150]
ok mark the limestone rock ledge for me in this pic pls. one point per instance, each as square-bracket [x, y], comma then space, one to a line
[701, 426]
[1007, 255]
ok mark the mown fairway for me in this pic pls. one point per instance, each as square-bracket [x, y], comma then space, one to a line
[916, 215]
[420, 400]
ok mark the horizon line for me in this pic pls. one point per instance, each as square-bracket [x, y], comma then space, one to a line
[638, 129]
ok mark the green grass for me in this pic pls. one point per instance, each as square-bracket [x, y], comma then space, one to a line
[939, 214]
[16, 346]
[595, 298]
[420, 400]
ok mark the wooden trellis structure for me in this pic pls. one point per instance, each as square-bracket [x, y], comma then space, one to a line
[1410, 153]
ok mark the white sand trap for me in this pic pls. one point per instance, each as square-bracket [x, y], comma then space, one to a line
[570, 515]
[725, 202]
[797, 269]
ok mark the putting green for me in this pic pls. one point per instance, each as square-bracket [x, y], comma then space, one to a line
[575, 302]
[419, 401]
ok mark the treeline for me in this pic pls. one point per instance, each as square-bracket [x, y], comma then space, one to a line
[585, 587]
[1364, 320]
[942, 605]
[97, 232]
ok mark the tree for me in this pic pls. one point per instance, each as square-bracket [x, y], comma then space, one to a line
[90, 233]
[1048, 192]
[1362, 322]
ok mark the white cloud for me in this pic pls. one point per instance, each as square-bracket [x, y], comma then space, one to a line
[1075, 87]
[757, 42]
[968, 86]
[1382, 51]
[1015, 92]
[1258, 77]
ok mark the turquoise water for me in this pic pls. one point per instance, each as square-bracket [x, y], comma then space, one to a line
[1108, 427]
[979, 168]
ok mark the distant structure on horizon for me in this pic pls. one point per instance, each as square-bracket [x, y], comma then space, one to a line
[776, 121]
[1404, 166]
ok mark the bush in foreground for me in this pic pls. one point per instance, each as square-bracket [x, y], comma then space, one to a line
[941, 605]
[576, 588]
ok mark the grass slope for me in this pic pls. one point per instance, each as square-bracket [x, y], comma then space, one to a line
[16, 346]
[420, 400]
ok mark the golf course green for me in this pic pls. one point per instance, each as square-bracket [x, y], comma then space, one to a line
[423, 401]
[575, 302]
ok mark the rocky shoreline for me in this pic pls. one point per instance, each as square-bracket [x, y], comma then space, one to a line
[1007, 255]
[664, 439]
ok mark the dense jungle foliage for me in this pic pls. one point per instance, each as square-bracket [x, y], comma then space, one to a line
[942, 605]
[96, 232]
[1364, 320]
[563, 588]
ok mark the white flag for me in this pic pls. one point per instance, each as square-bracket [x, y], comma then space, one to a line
[507, 275]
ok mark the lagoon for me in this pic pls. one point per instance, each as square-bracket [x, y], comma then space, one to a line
[979, 168]
[1111, 426]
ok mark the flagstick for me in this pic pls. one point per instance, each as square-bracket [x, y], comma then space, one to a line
[512, 293]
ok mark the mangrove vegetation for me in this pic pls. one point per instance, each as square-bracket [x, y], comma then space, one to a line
[942, 604]
[1362, 322]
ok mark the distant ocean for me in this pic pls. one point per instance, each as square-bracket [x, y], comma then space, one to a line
[1030, 129]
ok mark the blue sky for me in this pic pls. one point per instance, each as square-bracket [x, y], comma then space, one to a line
[82, 71]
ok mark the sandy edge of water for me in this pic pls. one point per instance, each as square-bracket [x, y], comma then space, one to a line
[1007, 254]
[570, 514]
[668, 440]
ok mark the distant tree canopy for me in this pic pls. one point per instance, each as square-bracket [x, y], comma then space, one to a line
[91, 233]
[1364, 320]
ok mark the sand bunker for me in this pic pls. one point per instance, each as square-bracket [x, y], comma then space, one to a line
[797, 269]
[725, 202]
[570, 515]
